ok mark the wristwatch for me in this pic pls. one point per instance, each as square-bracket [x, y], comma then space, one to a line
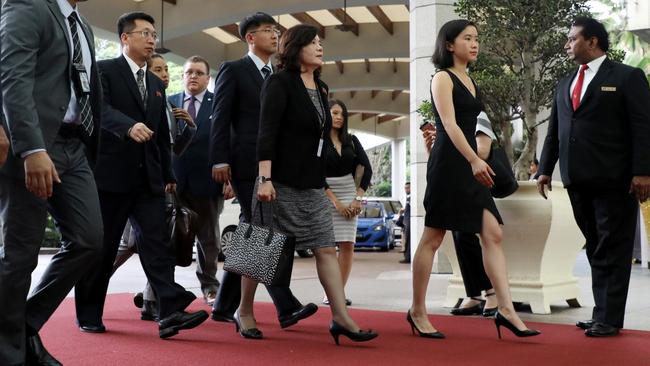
[358, 198]
[262, 179]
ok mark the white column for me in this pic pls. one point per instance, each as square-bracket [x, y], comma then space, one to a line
[426, 18]
[398, 173]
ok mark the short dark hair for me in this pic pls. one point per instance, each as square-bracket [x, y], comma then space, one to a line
[291, 43]
[443, 58]
[157, 55]
[407, 183]
[593, 28]
[197, 59]
[535, 161]
[344, 135]
[126, 22]
[254, 21]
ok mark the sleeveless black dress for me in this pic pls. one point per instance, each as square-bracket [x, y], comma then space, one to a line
[454, 199]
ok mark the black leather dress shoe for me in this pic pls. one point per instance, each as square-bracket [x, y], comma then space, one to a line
[92, 328]
[585, 324]
[149, 311]
[301, 313]
[180, 320]
[221, 317]
[37, 355]
[602, 330]
[138, 300]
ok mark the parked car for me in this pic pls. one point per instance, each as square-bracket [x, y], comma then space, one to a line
[228, 221]
[376, 225]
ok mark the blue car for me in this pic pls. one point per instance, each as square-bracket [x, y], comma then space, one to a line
[375, 226]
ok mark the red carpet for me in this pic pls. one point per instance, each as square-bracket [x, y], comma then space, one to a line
[470, 341]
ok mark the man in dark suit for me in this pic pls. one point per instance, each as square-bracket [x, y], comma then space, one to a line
[133, 172]
[233, 144]
[599, 130]
[196, 188]
[52, 105]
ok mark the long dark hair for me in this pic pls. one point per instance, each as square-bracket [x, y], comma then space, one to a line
[291, 43]
[443, 58]
[344, 135]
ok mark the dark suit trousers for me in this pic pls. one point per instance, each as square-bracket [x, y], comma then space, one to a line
[75, 207]
[470, 260]
[230, 291]
[147, 215]
[608, 220]
[406, 240]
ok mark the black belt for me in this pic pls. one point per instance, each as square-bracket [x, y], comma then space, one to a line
[70, 130]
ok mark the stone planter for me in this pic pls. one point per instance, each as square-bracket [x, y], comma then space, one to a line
[541, 243]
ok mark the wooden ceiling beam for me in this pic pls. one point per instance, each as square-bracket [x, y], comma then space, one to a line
[365, 116]
[346, 21]
[232, 29]
[308, 19]
[340, 66]
[381, 17]
[373, 93]
[352, 93]
[367, 62]
[386, 118]
[395, 94]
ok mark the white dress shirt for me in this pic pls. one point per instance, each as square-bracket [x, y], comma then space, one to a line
[135, 68]
[259, 63]
[590, 73]
[197, 102]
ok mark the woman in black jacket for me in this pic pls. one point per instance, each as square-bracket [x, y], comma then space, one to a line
[294, 121]
[344, 156]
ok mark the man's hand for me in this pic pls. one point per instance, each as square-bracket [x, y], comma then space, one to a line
[170, 187]
[640, 187]
[4, 146]
[222, 174]
[544, 180]
[40, 173]
[180, 113]
[140, 133]
[228, 192]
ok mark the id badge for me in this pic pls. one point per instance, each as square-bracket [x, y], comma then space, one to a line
[83, 82]
[320, 148]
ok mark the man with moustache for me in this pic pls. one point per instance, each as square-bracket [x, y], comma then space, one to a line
[133, 172]
[52, 104]
[599, 131]
[233, 144]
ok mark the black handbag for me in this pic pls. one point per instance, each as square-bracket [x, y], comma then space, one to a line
[182, 225]
[261, 253]
[505, 182]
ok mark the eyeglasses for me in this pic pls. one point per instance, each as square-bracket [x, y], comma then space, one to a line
[146, 34]
[190, 73]
[268, 31]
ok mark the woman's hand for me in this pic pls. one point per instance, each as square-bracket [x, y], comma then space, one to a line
[354, 208]
[180, 113]
[482, 172]
[342, 209]
[266, 192]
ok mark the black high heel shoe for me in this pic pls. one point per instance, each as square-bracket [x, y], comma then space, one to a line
[252, 333]
[414, 327]
[337, 330]
[472, 310]
[490, 312]
[500, 320]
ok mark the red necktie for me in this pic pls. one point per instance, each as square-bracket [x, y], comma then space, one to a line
[577, 91]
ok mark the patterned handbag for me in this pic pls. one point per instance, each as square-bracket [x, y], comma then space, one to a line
[261, 253]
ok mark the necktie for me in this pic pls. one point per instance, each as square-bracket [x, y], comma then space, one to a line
[141, 87]
[173, 130]
[266, 71]
[191, 108]
[86, 115]
[577, 91]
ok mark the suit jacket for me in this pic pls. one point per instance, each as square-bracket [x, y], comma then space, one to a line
[121, 160]
[193, 169]
[604, 143]
[36, 73]
[236, 116]
[290, 130]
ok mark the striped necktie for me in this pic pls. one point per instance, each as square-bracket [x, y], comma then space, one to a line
[86, 114]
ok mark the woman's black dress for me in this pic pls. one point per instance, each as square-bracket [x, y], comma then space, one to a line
[454, 199]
